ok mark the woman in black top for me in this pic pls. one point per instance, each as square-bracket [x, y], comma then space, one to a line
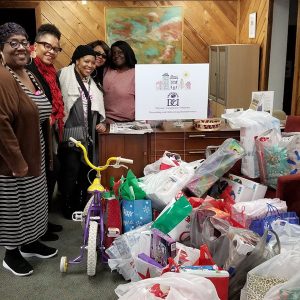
[46, 49]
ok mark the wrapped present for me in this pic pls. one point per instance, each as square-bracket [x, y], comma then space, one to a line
[136, 213]
[215, 166]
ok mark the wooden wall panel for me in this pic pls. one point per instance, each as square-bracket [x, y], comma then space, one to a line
[205, 23]
[264, 12]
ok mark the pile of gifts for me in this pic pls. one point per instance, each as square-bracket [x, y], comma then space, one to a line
[194, 218]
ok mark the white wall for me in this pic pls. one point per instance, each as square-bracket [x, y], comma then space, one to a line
[278, 50]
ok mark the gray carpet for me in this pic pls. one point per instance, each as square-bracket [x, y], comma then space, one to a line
[47, 282]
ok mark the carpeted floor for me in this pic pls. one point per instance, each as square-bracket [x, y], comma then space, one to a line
[47, 282]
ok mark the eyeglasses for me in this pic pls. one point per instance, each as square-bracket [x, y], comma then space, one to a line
[49, 47]
[15, 44]
[103, 55]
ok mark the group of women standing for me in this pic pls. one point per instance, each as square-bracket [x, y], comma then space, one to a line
[39, 110]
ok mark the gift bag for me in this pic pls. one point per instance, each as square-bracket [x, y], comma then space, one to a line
[136, 213]
[251, 124]
[278, 155]
[272, 214]
[173, 215]
[129, 189]
[215, 166]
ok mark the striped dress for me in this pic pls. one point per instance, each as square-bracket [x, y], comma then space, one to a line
[23, 200]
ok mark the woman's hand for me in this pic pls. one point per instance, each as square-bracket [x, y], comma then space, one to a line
[101, 127]
[21, 173]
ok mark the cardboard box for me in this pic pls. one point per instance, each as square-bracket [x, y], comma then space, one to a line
[162, 247]
[259, 190]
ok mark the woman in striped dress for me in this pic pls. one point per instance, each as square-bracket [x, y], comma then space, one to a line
[23, 189]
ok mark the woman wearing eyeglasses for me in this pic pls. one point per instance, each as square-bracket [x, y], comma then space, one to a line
[102, 51]
[23, 188]
[46, 49]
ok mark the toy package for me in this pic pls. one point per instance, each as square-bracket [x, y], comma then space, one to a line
[162, 247]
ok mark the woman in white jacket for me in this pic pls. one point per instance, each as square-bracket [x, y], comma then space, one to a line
[84, 112]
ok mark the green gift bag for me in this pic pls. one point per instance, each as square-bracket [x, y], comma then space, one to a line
[173, 215]
[130, 189]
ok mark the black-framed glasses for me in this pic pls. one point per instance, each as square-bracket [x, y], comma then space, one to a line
[103, 55]
[15, 44]
[49, 47]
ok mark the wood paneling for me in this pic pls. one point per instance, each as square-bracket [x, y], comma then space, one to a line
[264, 13]
[205, 23]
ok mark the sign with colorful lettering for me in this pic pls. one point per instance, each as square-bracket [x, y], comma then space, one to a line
[171, 91]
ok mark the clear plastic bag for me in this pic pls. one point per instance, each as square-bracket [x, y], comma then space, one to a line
[174, 286]
[215, 166]
[289, 235]
[290, 290]
[260, 254]
[276, 270]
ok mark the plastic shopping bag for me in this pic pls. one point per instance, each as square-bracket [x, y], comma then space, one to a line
[170, 286]
[290, 290]
[288, 234]
[260, 254]
[274, 271]
[163, 186]
[251, 124]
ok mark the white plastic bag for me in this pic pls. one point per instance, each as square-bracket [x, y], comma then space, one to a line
[168, 160]
[163, 186]
[288, 290]
[177, 286]
[272, 272]
[289, 235]
[252, 123]
[257, 209]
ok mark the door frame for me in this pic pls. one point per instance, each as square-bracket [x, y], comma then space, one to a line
[295, 106]
[25, 4]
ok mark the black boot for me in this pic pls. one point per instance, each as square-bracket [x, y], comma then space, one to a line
[14, 262]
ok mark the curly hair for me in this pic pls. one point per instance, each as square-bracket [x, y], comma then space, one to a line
[47, 29]
[9, 29]
[128, 53]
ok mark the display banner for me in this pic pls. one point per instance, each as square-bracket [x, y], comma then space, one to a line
[171, 91]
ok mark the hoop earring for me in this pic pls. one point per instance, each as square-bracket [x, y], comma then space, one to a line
[95, 74]
[30, 61]
[2, 59]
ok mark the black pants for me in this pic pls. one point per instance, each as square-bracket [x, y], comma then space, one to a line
[73, 181]
[52, 177]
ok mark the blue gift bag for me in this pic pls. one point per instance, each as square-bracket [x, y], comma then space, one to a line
[136, 213]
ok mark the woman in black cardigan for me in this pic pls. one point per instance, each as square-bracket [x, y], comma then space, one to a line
[46, 49]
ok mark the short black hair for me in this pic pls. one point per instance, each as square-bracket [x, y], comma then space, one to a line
[47, 29]
[128, 53]
[9, 29]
